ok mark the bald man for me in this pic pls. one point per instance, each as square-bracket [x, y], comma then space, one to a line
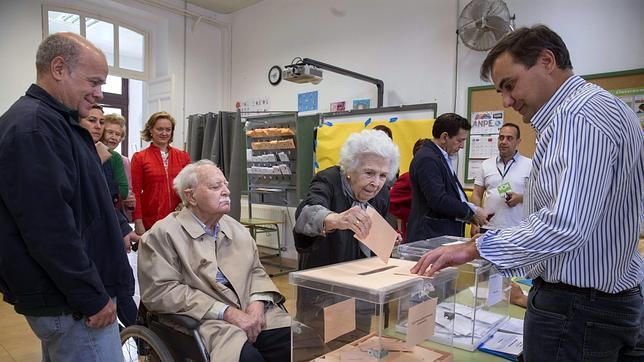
[62, 260]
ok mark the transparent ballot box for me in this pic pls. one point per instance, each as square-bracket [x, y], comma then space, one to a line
[343, 312]
[416, 249]
[481, 301]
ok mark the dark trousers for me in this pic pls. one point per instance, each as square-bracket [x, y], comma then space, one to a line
[271, 346]
[564, 323]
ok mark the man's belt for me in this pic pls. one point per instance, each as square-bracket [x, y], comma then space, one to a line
[586, 291]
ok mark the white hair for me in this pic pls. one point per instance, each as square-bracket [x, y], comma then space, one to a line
[188, 178]
[369, 142]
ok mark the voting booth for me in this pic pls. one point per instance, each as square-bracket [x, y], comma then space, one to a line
[341, 311]
[482, 298]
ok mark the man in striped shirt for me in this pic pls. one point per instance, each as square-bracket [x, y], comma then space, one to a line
[584, 199]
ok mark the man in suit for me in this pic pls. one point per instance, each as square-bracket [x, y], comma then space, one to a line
[439, 205]
[202, 263]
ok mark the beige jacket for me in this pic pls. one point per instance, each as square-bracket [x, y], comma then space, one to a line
[177, 265]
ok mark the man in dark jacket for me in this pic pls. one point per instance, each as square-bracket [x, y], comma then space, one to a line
[62, 258]
[439, 205]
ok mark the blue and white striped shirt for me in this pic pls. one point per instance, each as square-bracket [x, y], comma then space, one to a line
[584, 196]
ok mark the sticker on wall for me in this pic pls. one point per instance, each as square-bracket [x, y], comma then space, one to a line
[261, 104]
[307, 101]
[634, 98]
[486, 122]
[361, 104]
[338, 106]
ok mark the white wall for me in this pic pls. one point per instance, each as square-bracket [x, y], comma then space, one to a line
[404, 43]
[21, 32]
[410, 45]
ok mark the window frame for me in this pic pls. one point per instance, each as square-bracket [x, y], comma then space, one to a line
[115, 69]
[121, 101]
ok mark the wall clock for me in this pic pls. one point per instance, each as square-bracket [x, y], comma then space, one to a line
[275, 75]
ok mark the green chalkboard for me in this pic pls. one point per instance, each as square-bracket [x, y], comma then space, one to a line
[305, 135]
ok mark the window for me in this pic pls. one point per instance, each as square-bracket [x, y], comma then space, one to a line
[131, 44]
[63, 22]
[125, 47]
[101, 34]
[112, 84]
[116, 100]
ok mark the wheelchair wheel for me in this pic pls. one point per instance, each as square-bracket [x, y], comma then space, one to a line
[141, 344]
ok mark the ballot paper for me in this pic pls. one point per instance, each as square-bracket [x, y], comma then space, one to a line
[495, 289]
[512, 325]
[339, 319]
[482, 291]
[421, 322]
[481, 315]
[461, 320]
[381, 237]
[506, 345]
[283, 156]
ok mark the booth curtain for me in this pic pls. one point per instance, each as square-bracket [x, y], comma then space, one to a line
[218, 137]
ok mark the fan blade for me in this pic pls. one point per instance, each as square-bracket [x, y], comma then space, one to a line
[468, 35]
[497, 8]
[476, 38]
[476, 8]
[499, 26]
[487, 40]
[467, 25]
[473, 11]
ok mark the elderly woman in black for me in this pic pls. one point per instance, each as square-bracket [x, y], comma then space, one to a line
[335, 207]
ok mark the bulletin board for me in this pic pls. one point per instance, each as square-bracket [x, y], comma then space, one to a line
[407, 124]
[486, 99]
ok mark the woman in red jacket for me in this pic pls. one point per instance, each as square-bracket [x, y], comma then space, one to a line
[154, 170]
[400, 196]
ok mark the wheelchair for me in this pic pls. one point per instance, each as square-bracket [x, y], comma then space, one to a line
[164, 338]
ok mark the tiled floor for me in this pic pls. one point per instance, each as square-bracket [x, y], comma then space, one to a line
[18, 343]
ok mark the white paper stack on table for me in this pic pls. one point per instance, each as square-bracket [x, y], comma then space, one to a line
[468, 326]
[507, 342]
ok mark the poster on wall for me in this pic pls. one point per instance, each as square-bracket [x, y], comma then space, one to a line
[483, 146]
[634, 99]
[337, 106]
[361, 104]
[406, 123]
[486, 122]
[261, 104]
[307, 101]
[474, 169]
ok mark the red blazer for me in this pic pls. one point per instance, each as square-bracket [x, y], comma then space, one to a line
[400, 201]
[152, 187]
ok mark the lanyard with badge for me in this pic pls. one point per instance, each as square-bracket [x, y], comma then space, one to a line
[505, 187]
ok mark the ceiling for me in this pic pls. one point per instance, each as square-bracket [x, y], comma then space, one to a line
[224, 6]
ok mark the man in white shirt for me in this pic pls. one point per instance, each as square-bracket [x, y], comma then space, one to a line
[502, 181]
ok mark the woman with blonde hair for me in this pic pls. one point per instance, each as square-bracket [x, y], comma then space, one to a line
[113, 131]
[154, 170]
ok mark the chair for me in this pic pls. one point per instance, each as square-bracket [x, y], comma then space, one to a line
[163, 337]
[257, 226]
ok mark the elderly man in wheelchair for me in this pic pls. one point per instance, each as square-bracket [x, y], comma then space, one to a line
[200, 262]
